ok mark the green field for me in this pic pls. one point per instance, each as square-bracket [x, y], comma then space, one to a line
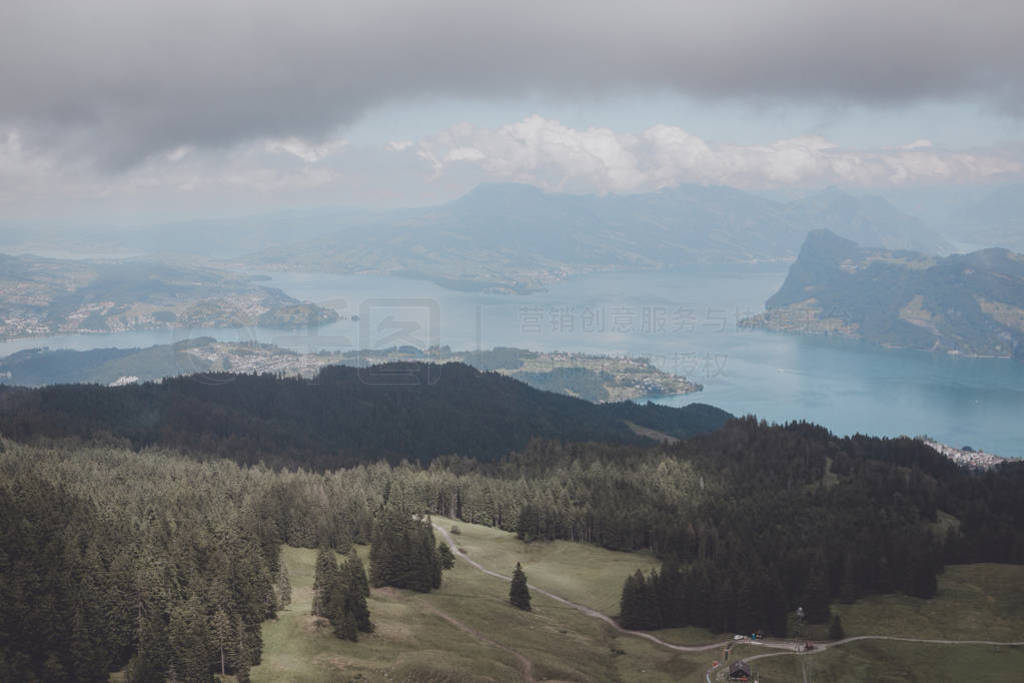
[467, 631]
[415, 642]
[974, 602]
[585, 574]
[893, 661]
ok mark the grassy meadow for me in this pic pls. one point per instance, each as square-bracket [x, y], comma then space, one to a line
[894, 661]
[467, 631]
[415, 639]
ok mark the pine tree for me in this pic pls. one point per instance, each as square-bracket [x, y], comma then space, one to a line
[774, 605]
[835, 628]
[519, 593]
[284, 587]
[190, 641]
[340, 612]
[748, 612]
[527, 523]
[816, 597]
[224, 639]
[848, 587]
[323, 580]
[447, 557]
[651, 608]
[629, 603]
[358, 572]
[355, 587]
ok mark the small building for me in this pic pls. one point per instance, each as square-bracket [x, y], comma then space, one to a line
[739, 671]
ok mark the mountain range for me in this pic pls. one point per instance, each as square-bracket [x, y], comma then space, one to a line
[996, 219]
[518, 238]
[44, 296]
[970, 304]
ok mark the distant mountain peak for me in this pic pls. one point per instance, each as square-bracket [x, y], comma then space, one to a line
[823, 242]
[966, 304]
[493, 191]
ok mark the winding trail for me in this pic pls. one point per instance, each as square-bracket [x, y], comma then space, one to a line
[787, 647]
[821, 647]
[590, 612]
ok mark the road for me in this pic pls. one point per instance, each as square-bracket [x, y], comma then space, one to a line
[787, 647]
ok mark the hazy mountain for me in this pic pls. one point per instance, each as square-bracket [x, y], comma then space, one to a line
[868, 220]
[42, 296]
[996, 220]
[964, 303]
[518, 237]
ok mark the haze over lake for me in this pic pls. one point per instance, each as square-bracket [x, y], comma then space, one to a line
[684, 321]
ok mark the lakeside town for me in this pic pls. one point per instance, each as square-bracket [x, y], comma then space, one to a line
[966, 455]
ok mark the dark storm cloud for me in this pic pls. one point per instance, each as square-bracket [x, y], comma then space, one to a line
[122, 79]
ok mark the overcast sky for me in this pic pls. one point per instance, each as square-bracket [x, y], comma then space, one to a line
[134, 109]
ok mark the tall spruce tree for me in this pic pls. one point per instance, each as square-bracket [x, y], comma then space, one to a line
[224, 639]
[446, 556]
[284, 587]
[358, 572]
[340, 612]
[816, 593]
[835, 628]
[519, 592]
[355, 589]
[325, 577]
[630, 610]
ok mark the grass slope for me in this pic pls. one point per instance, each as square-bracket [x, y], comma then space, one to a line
[467, 631]
[585, 574]
[974, 602]
[414, 642]
[894, 661]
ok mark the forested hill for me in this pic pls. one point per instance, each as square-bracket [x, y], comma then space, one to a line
[971, 304]
[344, 416]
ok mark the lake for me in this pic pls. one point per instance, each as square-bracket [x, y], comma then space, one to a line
[686, 323]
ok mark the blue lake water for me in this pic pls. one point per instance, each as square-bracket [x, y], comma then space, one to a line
[685, 322]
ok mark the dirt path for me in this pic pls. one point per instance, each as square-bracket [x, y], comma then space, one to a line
[590, 612]
[525, 663]
[787, 647]
[821, 647]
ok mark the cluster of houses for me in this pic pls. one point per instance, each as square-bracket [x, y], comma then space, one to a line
[966, 456]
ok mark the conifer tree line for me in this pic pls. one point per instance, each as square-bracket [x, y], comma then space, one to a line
[163, 565]
[403, 552]
[118, 561]
[337, 420]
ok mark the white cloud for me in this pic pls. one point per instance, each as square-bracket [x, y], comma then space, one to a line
[547, 153]
[303, 150]
[291, 171]
[119, 80]
[35, 176]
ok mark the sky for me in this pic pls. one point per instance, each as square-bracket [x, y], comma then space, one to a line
[127, 111]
